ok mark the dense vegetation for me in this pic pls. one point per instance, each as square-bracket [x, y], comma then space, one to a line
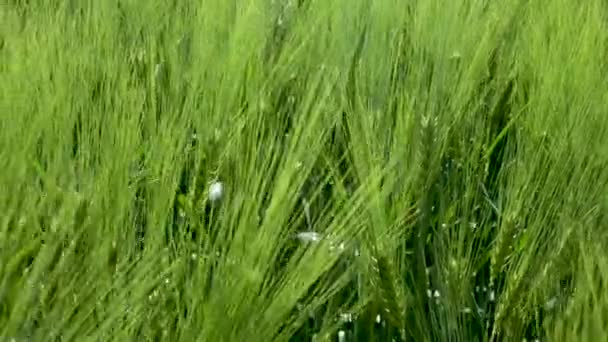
[264, 170]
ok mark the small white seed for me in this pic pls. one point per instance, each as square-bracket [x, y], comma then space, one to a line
[346, 317]
[309, 237]
[216, 191]
[341, 336]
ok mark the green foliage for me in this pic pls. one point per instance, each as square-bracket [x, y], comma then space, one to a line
[451, 156]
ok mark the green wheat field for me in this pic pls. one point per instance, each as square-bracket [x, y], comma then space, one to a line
[303, 170]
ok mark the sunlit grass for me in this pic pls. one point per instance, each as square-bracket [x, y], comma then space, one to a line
[303, 170]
